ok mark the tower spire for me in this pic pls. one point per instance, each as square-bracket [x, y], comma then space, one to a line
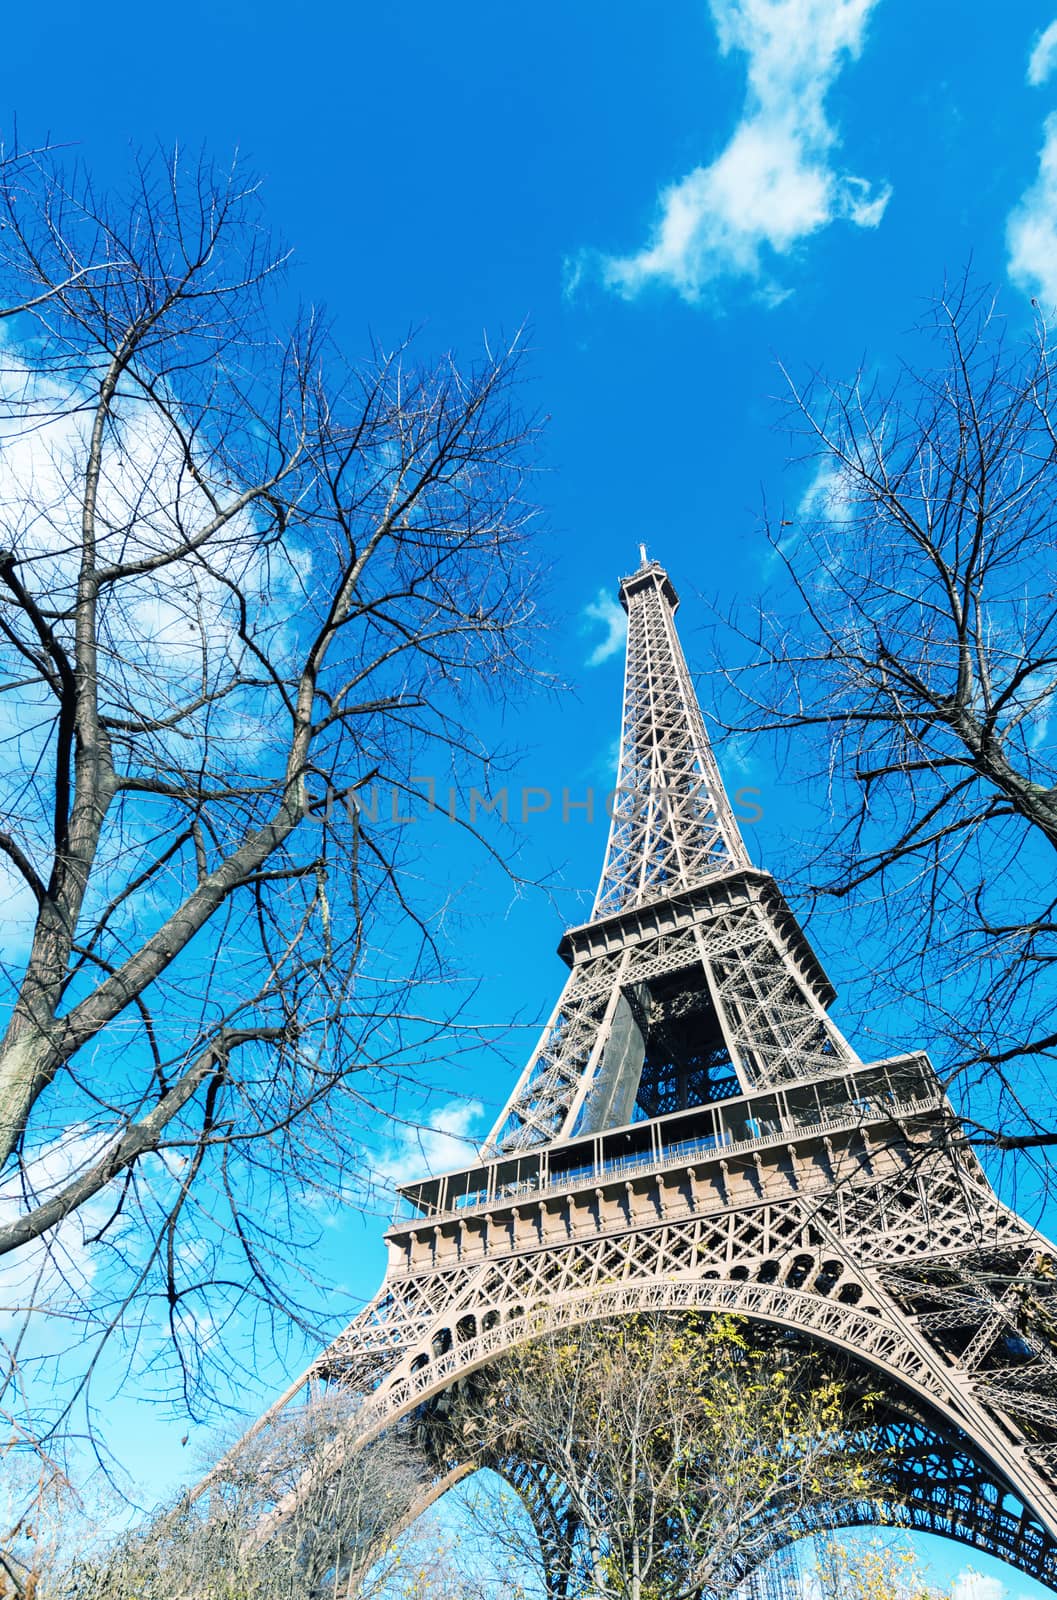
[672, 824]
[716, 1010]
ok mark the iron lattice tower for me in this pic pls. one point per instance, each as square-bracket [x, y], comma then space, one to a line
[693, 1131]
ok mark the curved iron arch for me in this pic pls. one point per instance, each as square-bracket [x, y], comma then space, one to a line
[980, 1505]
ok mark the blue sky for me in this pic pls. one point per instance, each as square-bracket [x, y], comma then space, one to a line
[674, 197]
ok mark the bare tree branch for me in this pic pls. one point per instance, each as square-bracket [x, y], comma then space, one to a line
[241, 577]
[914, 640]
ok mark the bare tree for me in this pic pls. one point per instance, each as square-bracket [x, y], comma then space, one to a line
[345, 1534]
[36, 1501]
[345, 1538]
[909, 667]
[249, 592]
[674, 1455]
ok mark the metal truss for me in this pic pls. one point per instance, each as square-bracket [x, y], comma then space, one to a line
[946, 1491]
[933, 1488]
[694, 1133]
[737, 947]
[547, 1502]
[672, 825]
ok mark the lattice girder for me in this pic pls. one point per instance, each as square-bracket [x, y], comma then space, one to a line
[937, 1486]
[738, 944]
[672, 824]
[954, 1490]
[853, 1240]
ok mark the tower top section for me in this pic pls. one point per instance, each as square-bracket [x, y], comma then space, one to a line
[672, 824]
[649, 573]
[691, 982]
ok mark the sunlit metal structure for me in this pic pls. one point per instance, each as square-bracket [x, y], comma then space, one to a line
[694, 1131]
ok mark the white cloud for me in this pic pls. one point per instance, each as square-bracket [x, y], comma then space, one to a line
[611, 615]
[52, 1274]
[445, 1141]
[774, 183]
[827, 497]
[970, 1585]
[1031, 232]
[1043, 56]
[159, 638]
[148, 506]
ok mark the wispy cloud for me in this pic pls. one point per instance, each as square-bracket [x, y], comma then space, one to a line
[605, 610]
[1043, 56]
[52, 1274]
[775, 183]
[1031, 230]
[444, 1141]
[827, 497]
[971, 1585]
[181, 623]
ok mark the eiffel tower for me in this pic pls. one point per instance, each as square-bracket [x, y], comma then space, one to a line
[694, 1132]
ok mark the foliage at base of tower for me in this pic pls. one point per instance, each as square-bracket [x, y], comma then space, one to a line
[36, 1500]
[661, 1457]
[873, 1570]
